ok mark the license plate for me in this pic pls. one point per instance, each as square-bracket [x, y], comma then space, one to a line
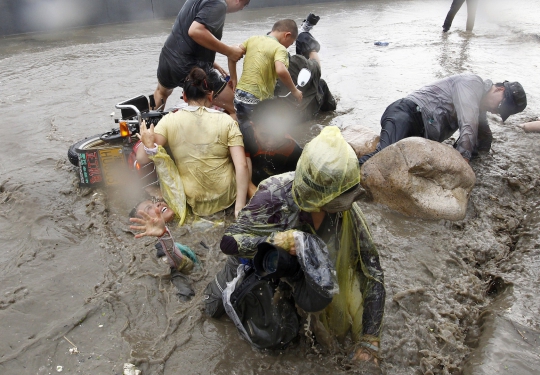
[101, 167]
[111, 162]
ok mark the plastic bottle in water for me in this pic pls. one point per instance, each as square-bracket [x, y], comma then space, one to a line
[382, 44]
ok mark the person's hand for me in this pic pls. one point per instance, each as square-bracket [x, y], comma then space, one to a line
[285, 240]
[298, 95]
[364, 354]
[147, 136]
[221, 71]
[235, 53]
[237, 209]
[149, 226]
[232, 83]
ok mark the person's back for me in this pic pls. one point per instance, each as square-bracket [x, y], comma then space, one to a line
[180, 43]
[199, 139]
[449, 101]
[312, 97]
[266, 60]
[259, 74]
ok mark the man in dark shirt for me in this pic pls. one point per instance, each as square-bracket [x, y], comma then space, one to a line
[194, 40]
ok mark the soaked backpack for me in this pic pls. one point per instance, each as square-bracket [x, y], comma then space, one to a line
[266, 322]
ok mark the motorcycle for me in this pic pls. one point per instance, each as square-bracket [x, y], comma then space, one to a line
[101, 156]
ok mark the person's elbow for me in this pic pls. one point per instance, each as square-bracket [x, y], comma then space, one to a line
[281, 69]
[242, 165]
[195, 30]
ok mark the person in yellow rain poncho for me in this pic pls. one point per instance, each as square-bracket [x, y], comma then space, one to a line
[210, 169]
[311, 215]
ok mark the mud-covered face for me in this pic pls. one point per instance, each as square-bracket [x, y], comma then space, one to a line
[150, 209]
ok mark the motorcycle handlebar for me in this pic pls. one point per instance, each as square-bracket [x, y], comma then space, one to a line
[132, 107]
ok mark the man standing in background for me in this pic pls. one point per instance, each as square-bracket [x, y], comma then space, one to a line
[454, 8]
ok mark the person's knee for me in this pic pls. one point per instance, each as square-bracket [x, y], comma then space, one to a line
[163, 91]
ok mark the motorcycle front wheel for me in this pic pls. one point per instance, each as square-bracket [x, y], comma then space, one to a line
[92, 142]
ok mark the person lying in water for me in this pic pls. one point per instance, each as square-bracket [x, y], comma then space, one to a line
[316, 96]
[207, 148]
[180, 258]
[317, 202]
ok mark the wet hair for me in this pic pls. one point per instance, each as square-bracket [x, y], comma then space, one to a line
[133, 212]
[196, 84]
[286, 25]
[274, 112]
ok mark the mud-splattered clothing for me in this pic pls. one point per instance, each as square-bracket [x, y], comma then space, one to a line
[199, 139]
[259, 75]
[273, 209]
[452, 104]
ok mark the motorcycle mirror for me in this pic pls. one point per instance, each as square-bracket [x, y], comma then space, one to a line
[303, 77]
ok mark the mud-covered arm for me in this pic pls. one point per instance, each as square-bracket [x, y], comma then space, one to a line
[466, 96]
[372, 284]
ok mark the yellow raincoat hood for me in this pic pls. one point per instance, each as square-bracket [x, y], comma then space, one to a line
[327, 168]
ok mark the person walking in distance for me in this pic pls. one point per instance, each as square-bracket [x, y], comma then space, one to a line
[454, 8]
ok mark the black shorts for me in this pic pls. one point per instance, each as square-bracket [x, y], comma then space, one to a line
[172, 72]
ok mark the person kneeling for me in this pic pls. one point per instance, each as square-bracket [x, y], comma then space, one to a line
[309, 219]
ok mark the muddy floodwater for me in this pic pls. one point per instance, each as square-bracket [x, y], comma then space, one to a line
[462, 297]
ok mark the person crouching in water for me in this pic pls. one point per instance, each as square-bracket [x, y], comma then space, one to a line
[207, 147]
[315, 206]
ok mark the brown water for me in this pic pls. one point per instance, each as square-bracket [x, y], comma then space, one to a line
[461, 297]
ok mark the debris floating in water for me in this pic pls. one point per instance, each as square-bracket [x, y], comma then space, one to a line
[72, 350]
[382, 44]
[130, 369]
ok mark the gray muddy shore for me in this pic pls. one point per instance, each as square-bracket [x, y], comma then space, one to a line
[461, 296]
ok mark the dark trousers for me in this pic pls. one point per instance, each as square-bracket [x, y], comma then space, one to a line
[454, 8]
[243, 115]
[402, 119]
